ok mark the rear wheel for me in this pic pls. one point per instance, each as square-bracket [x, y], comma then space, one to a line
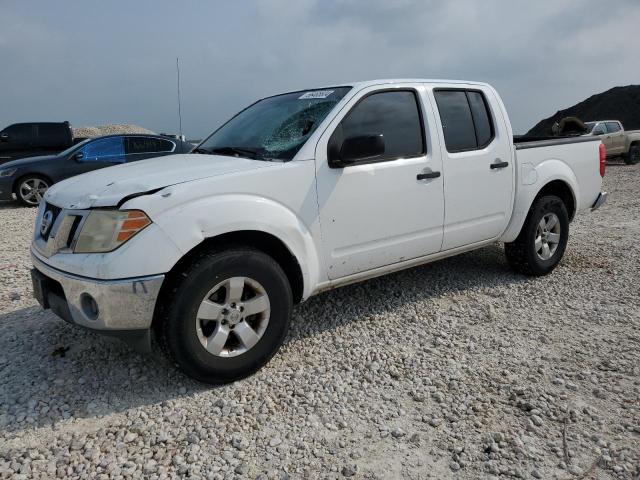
[226, 315]
[542, 240]
[31, 189]
[633, 155]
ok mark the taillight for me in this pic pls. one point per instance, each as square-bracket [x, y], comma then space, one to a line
[603, 159]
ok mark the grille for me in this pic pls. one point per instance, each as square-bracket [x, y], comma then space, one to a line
[61, 234]
[73, 231]
[55, 211]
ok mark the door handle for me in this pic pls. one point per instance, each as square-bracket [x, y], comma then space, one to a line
[425, 176]
[499, 165]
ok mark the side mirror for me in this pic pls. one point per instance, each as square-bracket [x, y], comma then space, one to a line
[78, 156]
[4, 137]
[355, 149]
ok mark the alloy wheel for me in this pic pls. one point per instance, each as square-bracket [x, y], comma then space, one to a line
[547, 236]
[32, 190]
[233, 317]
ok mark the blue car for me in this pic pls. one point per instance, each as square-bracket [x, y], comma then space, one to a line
[27, 179]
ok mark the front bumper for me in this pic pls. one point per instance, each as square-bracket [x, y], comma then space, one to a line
[602, 198]
[6, 186]
[117, 307]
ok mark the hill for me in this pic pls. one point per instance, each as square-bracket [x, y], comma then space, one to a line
[619, 103]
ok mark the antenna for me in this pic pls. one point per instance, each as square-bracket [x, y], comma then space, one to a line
[179, 110]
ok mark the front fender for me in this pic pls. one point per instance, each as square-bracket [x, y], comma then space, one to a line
[532, 179]
[190, 224]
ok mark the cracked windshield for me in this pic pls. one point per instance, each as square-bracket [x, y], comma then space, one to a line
[274, 128]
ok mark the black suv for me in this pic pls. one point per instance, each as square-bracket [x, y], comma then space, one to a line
[29, 178]
[29, 139]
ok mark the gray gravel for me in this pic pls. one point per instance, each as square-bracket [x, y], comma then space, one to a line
[456, 369]
[110, 129]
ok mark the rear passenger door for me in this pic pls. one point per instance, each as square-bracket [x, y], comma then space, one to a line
[140, 148]
[477, 165]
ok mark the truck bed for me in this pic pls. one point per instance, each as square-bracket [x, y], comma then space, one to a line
[523, 141]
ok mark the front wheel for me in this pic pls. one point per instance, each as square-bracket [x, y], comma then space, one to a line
[633, 155]
[31, 189]
[226, 315]
[543, 238]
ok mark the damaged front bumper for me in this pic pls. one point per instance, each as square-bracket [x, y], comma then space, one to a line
[122, 308]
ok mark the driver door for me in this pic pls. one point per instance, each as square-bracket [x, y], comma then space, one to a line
[389, 207]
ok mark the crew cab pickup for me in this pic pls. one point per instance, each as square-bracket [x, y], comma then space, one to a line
[618, 141]
[297, 194]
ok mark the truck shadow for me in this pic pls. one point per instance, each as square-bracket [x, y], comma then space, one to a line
[51, 371]
[481, 270]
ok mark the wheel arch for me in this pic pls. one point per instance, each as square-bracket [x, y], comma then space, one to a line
[560, 189]
[563, 186]
[267, 243]
[16, 182]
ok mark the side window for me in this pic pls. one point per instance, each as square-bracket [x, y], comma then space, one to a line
[599, 129]
[465, 118]
[613, 127]
[481, 118]
[51, 134]
[49, 130]
[110, 149]
[395, 115]
[456, 119]
[20, 133]
[148, 145]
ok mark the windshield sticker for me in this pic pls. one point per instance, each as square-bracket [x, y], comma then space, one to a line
[318, 94]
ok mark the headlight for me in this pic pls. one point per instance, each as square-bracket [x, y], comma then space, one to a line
[8, 172]
[105, 230]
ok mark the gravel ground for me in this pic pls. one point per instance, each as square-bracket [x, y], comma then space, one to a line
[111, 129]
[458, 369]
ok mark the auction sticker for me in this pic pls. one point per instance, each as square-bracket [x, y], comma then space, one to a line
[315, 94]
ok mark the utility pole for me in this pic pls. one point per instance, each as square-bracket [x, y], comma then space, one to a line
[179, 109]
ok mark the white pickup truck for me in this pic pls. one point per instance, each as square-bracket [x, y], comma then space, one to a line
[296, 194]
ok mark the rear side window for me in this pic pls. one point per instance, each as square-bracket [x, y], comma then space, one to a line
[599, 129]
[148, 145]
[52, 135]
[50, 130]
[465, 118]
[395, 115]
[481, 118]
[613, 127]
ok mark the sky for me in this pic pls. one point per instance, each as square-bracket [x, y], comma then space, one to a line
[97, 62]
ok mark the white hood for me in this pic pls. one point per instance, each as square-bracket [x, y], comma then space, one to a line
[107, 186]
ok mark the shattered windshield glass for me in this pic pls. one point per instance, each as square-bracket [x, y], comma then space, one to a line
[274, 128]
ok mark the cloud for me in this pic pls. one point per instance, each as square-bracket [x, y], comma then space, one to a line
[116, 60]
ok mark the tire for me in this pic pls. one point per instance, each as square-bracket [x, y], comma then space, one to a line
[527, 253]
[30, 189]
[186, 327]
[633, 155]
